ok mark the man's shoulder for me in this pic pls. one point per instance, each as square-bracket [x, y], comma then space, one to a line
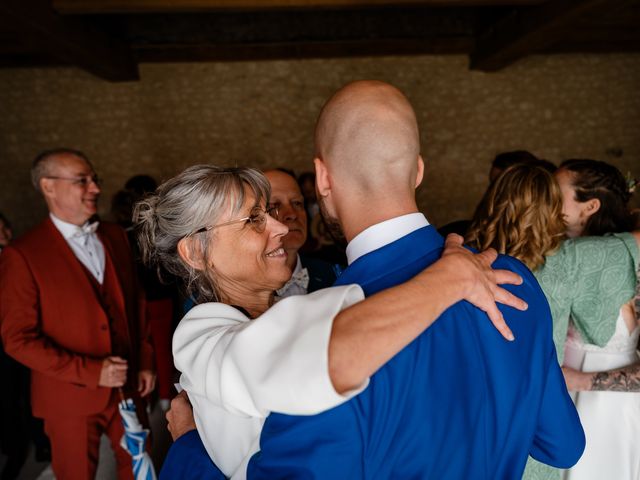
[536, 318]
[38, 237]
[31, 251]
[538, 312]
[507, 262]
[529, 287]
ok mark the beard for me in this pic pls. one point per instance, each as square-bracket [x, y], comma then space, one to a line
[332, 224]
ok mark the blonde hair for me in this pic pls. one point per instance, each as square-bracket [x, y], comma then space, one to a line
[197, 197]
[520, 215]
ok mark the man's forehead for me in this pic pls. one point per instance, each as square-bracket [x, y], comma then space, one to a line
[282, 184]
[71, 164]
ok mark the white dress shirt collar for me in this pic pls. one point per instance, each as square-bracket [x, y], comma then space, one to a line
[68, 230]
[384, 233]
[87, 247]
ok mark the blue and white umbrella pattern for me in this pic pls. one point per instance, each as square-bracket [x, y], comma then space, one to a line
[134, 440]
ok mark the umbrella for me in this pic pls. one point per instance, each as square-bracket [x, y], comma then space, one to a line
[133, 441]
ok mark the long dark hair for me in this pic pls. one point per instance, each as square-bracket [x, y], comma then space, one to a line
[601, 180]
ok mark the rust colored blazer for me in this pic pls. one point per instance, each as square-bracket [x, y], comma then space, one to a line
[53, 321]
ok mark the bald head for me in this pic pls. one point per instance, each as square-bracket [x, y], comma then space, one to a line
[367, 135]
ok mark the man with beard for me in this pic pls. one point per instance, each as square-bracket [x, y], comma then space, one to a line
[458, 402]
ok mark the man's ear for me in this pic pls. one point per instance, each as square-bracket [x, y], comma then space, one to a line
[323, 182]
[189, 251]
[46, 186]
[420, 171]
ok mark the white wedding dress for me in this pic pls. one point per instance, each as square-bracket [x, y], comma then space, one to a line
[611, 420]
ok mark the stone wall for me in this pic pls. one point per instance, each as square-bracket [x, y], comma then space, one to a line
[262, 114]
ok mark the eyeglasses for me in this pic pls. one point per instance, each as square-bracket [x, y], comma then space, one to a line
[257, 219]
[82, 181]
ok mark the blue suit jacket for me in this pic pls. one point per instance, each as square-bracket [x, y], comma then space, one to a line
[459, 402]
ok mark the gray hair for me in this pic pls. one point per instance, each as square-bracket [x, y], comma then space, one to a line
[195, 198]
[41, 166]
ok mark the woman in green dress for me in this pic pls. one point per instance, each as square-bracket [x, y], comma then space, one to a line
[595, 198]
[586, 278]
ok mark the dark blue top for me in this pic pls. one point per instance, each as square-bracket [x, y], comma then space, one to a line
[321, 273]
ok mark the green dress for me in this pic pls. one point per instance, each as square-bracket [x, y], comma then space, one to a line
[588, 279]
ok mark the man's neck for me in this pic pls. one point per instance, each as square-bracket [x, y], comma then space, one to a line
[383, 233]
[358, 220]
[62, 218]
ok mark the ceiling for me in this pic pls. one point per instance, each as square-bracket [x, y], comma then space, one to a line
[109, 38]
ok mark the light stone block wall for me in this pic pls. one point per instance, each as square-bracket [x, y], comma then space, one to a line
[262, 114]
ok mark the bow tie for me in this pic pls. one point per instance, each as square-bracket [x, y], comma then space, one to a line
[300, 279]
[85, 230]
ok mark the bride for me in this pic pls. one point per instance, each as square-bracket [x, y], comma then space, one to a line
[595, 198]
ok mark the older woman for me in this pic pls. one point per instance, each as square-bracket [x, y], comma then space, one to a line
[587, 279]
[242, 357]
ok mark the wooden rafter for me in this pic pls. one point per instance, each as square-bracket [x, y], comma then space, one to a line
[532, 30]
[71, 40]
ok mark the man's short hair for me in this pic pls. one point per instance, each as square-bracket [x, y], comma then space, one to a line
[286, 171]
[41, 166]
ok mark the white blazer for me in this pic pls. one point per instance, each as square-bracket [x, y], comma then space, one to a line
[237, 370]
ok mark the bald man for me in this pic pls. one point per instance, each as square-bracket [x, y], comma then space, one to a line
[459, 402]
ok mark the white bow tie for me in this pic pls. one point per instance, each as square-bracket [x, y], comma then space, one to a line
[85, 230]
[300, 279]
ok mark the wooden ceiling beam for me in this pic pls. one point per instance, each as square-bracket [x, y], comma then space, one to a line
[299, 27]
[300, 50]
[71, 40]
[71, 7]
[531, 30]
[227, 36]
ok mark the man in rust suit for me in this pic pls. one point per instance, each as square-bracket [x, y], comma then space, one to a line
[71, 311]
